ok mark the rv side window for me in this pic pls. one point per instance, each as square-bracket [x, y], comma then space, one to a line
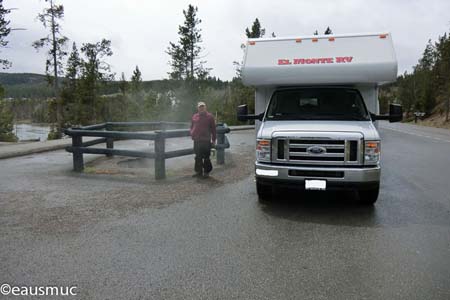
[317, 104]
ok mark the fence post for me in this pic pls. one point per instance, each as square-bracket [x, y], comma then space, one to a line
[109, 141]
[77, 142]
[160, 162]
[220, 151]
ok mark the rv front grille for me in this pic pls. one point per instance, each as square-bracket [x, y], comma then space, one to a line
[324, 150]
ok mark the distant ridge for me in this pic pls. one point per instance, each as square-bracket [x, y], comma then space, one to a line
[35, 86]
[21, 78]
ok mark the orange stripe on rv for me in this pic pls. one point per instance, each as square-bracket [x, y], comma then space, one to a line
[251, 43]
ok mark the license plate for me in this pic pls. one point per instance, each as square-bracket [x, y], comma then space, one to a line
[315, 184]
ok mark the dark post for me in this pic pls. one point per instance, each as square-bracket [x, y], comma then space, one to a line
[109, 145]
[78, 164]
[160, 163]
[220, 151]
[109, 141]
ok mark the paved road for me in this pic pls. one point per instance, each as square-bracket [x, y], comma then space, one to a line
[222, 244]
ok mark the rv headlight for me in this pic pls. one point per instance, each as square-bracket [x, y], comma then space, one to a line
[372, 152]
[262, 150]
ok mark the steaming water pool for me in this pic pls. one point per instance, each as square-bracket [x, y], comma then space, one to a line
[31, 131]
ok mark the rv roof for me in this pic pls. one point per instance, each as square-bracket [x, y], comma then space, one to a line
[320, 59]
[321, 36]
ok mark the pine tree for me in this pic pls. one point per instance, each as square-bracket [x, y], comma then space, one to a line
[185, 55]
[70, 93]
[428, 86]
[123, 84]
[4, 32]
[95, 71]
[73, 68]
[6, 116]
[136, 80]
[425, 75]
[316, 32]
[6, 123]
[256, 31]
[442, 69]
[54, 40]
[53, 65]
[428, 57]
[407, 92]
[328, 31]
[123, 87]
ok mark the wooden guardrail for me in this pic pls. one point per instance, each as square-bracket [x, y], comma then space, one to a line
[157, 132]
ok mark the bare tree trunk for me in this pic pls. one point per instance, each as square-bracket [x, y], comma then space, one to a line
[192, 61]
[55, 72]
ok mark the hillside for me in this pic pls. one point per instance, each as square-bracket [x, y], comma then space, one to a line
[35, 86]
[25, 85]
[9, 79]
[437, 118]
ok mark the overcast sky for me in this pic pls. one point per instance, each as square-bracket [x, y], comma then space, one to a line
[140, 31]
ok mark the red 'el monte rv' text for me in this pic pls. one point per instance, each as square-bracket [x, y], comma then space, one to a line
[321, 60]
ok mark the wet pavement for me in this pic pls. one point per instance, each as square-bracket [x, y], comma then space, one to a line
[116, 237]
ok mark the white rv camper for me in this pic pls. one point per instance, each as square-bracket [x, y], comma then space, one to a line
[316, 103]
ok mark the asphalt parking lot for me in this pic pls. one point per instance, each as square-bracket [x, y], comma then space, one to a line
[117, 238]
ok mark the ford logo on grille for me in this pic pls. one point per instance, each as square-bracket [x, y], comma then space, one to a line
[316, 150]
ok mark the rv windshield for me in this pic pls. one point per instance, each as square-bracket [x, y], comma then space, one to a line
[317, 104]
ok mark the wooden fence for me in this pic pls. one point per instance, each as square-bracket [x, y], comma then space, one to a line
[158, 132]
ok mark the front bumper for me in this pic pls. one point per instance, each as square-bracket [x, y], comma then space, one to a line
[338, 178]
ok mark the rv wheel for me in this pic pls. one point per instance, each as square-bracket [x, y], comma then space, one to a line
[370, 196]
[264, 191]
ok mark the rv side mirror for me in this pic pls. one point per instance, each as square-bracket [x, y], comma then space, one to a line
[260, 116]
[242, 112]
[395, 113]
